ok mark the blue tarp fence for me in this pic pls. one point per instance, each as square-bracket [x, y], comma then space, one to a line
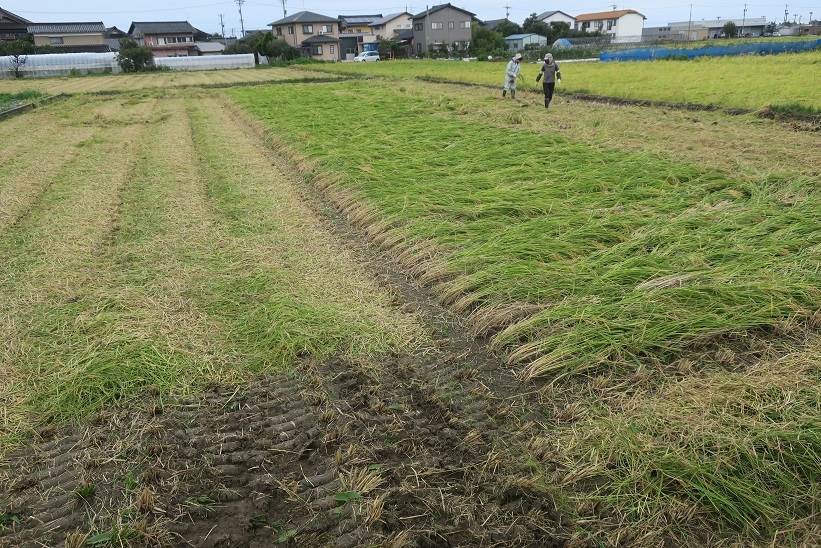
[751, 48]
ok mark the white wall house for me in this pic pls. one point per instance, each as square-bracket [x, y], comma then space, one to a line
[390, 25]
[622, 25]
[557, 17]
[518, 42]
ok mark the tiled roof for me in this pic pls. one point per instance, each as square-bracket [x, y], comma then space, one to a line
[321, 39]
[210, 47]
[388, 18]
[12, 17]
[359, 19]
[434, 9]
[547, 14]
[139, 29]
[304, 17]
[603, 15]
[66, 28]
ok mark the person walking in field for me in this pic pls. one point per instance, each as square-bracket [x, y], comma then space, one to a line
[511, 75]
[551, 74]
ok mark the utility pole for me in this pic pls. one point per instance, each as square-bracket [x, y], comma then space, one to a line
[222, 26]
[690, 22]
[507, 12]
[786, 12]
[743, 19]
[284, 9]
[241, 22]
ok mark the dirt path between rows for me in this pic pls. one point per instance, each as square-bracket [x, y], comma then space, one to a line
[426, 449]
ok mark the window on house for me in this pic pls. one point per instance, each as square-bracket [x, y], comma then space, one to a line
[55, 40]
[333, 49]
[451, 25]
[418, 47]
[317, 50]
[326, 29]
[307, 29]
[609, 24]
[279, 31]
[290, 29]
[418, 26]
[465, 24]
[437, 25]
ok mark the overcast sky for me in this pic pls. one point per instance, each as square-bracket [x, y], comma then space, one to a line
[204, 14]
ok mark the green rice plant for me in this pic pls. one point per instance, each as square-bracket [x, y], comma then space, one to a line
[743, 82]
[626, 256]
[9, 100]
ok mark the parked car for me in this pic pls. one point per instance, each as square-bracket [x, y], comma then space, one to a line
[366, 56]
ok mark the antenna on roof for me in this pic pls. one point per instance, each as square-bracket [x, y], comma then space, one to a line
[613, 6]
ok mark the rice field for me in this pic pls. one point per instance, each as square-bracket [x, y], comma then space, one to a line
[786, 82]
[108, 83]
[392, 312]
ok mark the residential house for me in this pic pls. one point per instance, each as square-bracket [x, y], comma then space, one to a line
[518, 42]
[315, 34]
[714, 28]
[166, 38]
[113, 35]
[356, 34]
[12, 27]
[357, 23]
[491, 24]
[557, 16]
[620, 25]
[70, 37]
[388, 27]
[209, 48]
[444, 26]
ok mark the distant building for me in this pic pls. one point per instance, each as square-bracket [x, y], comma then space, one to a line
[714, 28]
[113, 35]
[442, 27]
[315, 34]
[70, 37]
[209, 48]
[557, 17]
[12, 27]
[518, 42]
[492, 24]
[388, 27]
[620, 25]
[165, 38]
[357, 23]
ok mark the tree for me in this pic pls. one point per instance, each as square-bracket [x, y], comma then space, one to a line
[18, 50]
[264, 43]
[134, 58]
[534, 25]
[506, 28]
[729, 29]
[485, 42]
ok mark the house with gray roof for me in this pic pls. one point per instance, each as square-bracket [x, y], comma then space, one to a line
[71, 37]
[166, 38]
[442, 27]
[557, 16]
[315, 34]
[389, 26]
[12, 26]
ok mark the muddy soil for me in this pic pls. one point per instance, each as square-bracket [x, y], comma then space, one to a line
[426, 449]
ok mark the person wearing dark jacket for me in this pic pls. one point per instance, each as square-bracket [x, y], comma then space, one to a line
[551, 74]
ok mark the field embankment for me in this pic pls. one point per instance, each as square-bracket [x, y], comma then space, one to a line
[114, 83]
[594, 265]
[784, 82]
